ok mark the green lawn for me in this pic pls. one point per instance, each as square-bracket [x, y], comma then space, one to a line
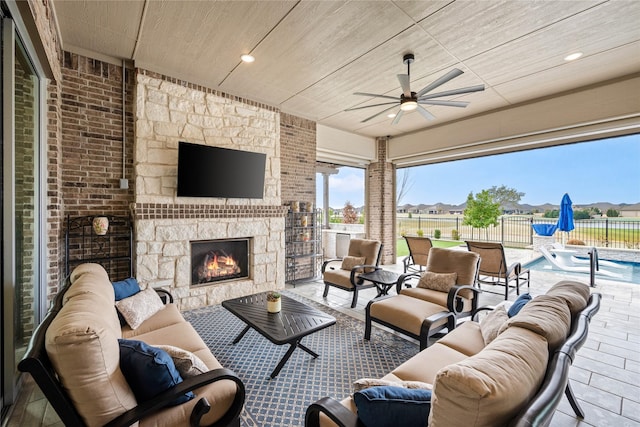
[403, 250]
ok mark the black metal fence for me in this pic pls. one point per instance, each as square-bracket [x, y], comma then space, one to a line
[516, 230]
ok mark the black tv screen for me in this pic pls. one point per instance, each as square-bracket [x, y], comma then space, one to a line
[205, 171]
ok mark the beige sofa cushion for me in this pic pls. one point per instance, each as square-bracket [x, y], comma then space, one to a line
[465, 338]
[90, 278]
[576, 294]
[168, 316]
[545, 315]
[481, 391]
[425, 365]
[84, 351]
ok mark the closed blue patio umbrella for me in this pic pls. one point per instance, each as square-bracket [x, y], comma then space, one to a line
[565, 220]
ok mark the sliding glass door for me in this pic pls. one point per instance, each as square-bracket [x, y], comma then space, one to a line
[21, 205]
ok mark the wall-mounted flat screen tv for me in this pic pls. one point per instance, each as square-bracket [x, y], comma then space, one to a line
[205, 171]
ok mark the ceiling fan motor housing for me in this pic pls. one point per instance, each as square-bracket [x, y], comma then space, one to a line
[408, 58]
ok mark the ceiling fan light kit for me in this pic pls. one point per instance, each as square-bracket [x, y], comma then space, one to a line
[410, 101]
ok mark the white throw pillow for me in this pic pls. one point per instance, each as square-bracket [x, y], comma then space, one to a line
[187, 363]
[139, 307]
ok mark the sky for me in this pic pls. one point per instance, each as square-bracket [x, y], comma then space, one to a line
[607, 170]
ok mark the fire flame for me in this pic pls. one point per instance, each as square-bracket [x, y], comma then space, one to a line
[213, 264]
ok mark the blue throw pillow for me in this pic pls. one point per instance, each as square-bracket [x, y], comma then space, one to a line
[391, 406]
[126, 288]
[149, 371]
[518, 304]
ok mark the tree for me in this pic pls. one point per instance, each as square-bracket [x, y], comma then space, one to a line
[405, 185]
[349, 214]
[481, 211]
[505, 197]
[555, 213]
[612, 213]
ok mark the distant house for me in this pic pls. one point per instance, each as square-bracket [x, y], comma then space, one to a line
[632, 211]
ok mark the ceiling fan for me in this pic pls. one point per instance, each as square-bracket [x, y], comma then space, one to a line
[410, 101]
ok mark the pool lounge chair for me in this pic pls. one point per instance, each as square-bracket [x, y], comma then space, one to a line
[577, 268]
[584, 261]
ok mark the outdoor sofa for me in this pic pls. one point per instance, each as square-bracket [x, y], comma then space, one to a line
[516, 379]
[75, 358]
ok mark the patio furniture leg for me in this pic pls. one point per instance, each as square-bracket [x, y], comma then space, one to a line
[326, 291]
[241, 334]
[305, 348]
[355, 298]
[573, 401]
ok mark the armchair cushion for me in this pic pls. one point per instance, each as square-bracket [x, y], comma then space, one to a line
[442, 260]
[349, 262]
[437, 281]
[139, 307]
[390, 406]
[149, 370]
[366, 248]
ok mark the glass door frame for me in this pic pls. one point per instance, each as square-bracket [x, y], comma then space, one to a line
[14, 32]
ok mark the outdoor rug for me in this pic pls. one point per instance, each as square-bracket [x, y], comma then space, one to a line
[345, 356]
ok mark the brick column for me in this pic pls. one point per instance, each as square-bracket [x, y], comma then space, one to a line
[380, 193]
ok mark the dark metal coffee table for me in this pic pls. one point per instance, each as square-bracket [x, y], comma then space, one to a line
[295, 321]
[383, 279]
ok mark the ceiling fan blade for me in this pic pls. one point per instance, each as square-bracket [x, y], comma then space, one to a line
[442, 80]
[404, 83]
[375, 95]
[427, 115]
[369, 106]
[469, 89]
[460, 104]
[398, 116]
[377, 114]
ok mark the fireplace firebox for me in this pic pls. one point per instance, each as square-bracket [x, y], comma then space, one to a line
[220, 260]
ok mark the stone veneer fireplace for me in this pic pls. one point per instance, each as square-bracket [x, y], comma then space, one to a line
[169, 111]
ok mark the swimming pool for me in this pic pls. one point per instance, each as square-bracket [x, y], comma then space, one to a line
[630, 272]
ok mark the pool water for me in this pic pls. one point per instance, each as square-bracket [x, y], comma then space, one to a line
[630, 273]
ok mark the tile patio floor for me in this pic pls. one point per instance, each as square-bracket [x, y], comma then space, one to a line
[605, 376]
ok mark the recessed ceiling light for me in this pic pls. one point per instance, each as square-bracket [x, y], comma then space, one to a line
[573, 56]
[391, 115]
[247, 58]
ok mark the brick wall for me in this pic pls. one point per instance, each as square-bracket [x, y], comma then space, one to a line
[380, 191]
[55, 237]
[298, 162]
[91, 114]
[298, 158]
